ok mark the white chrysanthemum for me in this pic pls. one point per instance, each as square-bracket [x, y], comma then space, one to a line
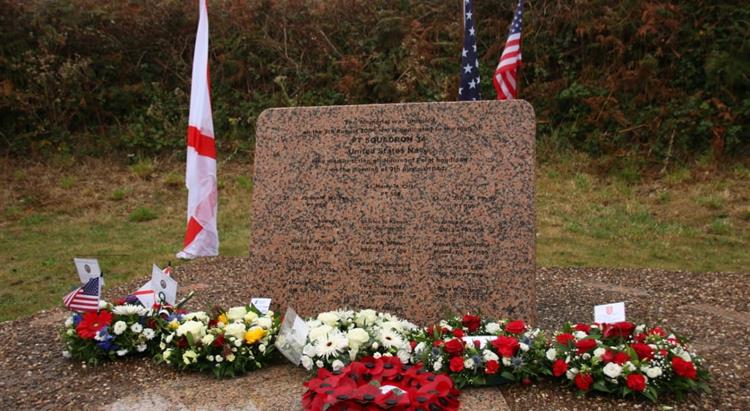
[329, 318]
[492, 328]
[653, 372]
[612, 370]
[307, 362]
[122, 352]
[265, 322]
[319, 364]
[218, 358]
[129, 309]
[262, 348]
[390, 338]
[489, 355]
[207, 339]
[337, 365]
[141, 347]
[236, 313]
[136, 328]
[331, 345]
[551, 354]
[365, 317]
[119, 327]
[231, 357]
[149, 333]
[357, 336]
[195, 329]
[236, 330]
[319, 332]
[469, 363]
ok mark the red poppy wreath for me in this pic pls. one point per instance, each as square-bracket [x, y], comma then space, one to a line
[380, 384]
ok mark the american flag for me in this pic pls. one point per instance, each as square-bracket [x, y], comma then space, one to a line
[506, 73]
[84, 298]
[469, 88]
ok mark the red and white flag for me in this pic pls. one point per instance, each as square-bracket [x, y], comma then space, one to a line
[506, 73]
[201, 236]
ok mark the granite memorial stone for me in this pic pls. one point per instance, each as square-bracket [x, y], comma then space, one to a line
[416, 209]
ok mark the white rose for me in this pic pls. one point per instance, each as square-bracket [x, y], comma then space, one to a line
[149, 333]
[319, 364]
[122, 352]
[375, 345]
[309, 350]
[120, 327]
[551, 354]
[265, 322]
[337, 365]
[571, 373]
[523, 347]
[469, 363]
[250, 317]
[653, 372]
[506, 362]
[136, 328]
[319, 332]
[207, 339]
[639, 329]
[612, 370]
[419, 348]
[195, 329]
[685, 356]
[403, 356]
[365, 317]
[492, 328]
[197, 316]
[599, 352]
[580, 335]
[438, 364]
[236, 330]
[307, 362]
[236, 313]
[141, 347]
[489, 355]
[358, 336]
[237, 343]
[329, 318]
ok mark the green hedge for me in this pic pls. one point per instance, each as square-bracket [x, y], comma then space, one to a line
[652, 78]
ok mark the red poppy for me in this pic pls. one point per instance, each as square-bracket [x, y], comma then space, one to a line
[92, 322]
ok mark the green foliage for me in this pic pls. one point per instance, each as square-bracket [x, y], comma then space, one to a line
[142, 214]
[659, 79]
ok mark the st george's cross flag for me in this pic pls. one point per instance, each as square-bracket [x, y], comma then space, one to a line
[86, 297]
[201, 235]
[506, 73]
[161, 288]
[468, 90]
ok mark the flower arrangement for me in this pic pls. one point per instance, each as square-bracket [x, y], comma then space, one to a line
[337, 338]
[383, 383]
[625, 360]
[227, 344]
[114, 331]
[475, 351]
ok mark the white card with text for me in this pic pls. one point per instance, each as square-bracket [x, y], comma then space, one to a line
[292, 336]
[609, 313]
[87, 268]
[262, 304]
[165, 287]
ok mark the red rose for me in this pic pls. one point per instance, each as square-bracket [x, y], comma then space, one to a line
[491, 367]
[515, 327]
[640, 337]
[458, 333]
[457, 364]
[608, 356]
[636, 382]
[454, 347]
[658, 331]
[437, 343]
[92, 322]
[565, 338]
[585, 345]
[412, 344]
[621, 358]
[477, 344]
[583, 327]
[643, 350]
[559, 368]
[622, 329]
[684, 368]
[583, 381]
[218, 341]
[506, 346]
[472, 322]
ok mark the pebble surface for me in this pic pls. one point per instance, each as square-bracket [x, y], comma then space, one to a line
[711, 309]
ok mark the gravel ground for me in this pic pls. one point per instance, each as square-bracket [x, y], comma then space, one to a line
[711, 309]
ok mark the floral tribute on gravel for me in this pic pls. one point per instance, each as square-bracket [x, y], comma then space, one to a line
[383, 383]
[337, 338]
[625, 360]
[475, 351]
[226, 344]
[114, 331]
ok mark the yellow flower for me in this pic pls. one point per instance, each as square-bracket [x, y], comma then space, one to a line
[223, 319]
[174, 324]
[254, 334]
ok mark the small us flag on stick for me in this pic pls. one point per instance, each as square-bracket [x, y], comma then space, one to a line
[469, 88]
[84, 298]
[506, 74]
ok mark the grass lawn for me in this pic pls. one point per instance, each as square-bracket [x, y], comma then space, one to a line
[131, 216]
